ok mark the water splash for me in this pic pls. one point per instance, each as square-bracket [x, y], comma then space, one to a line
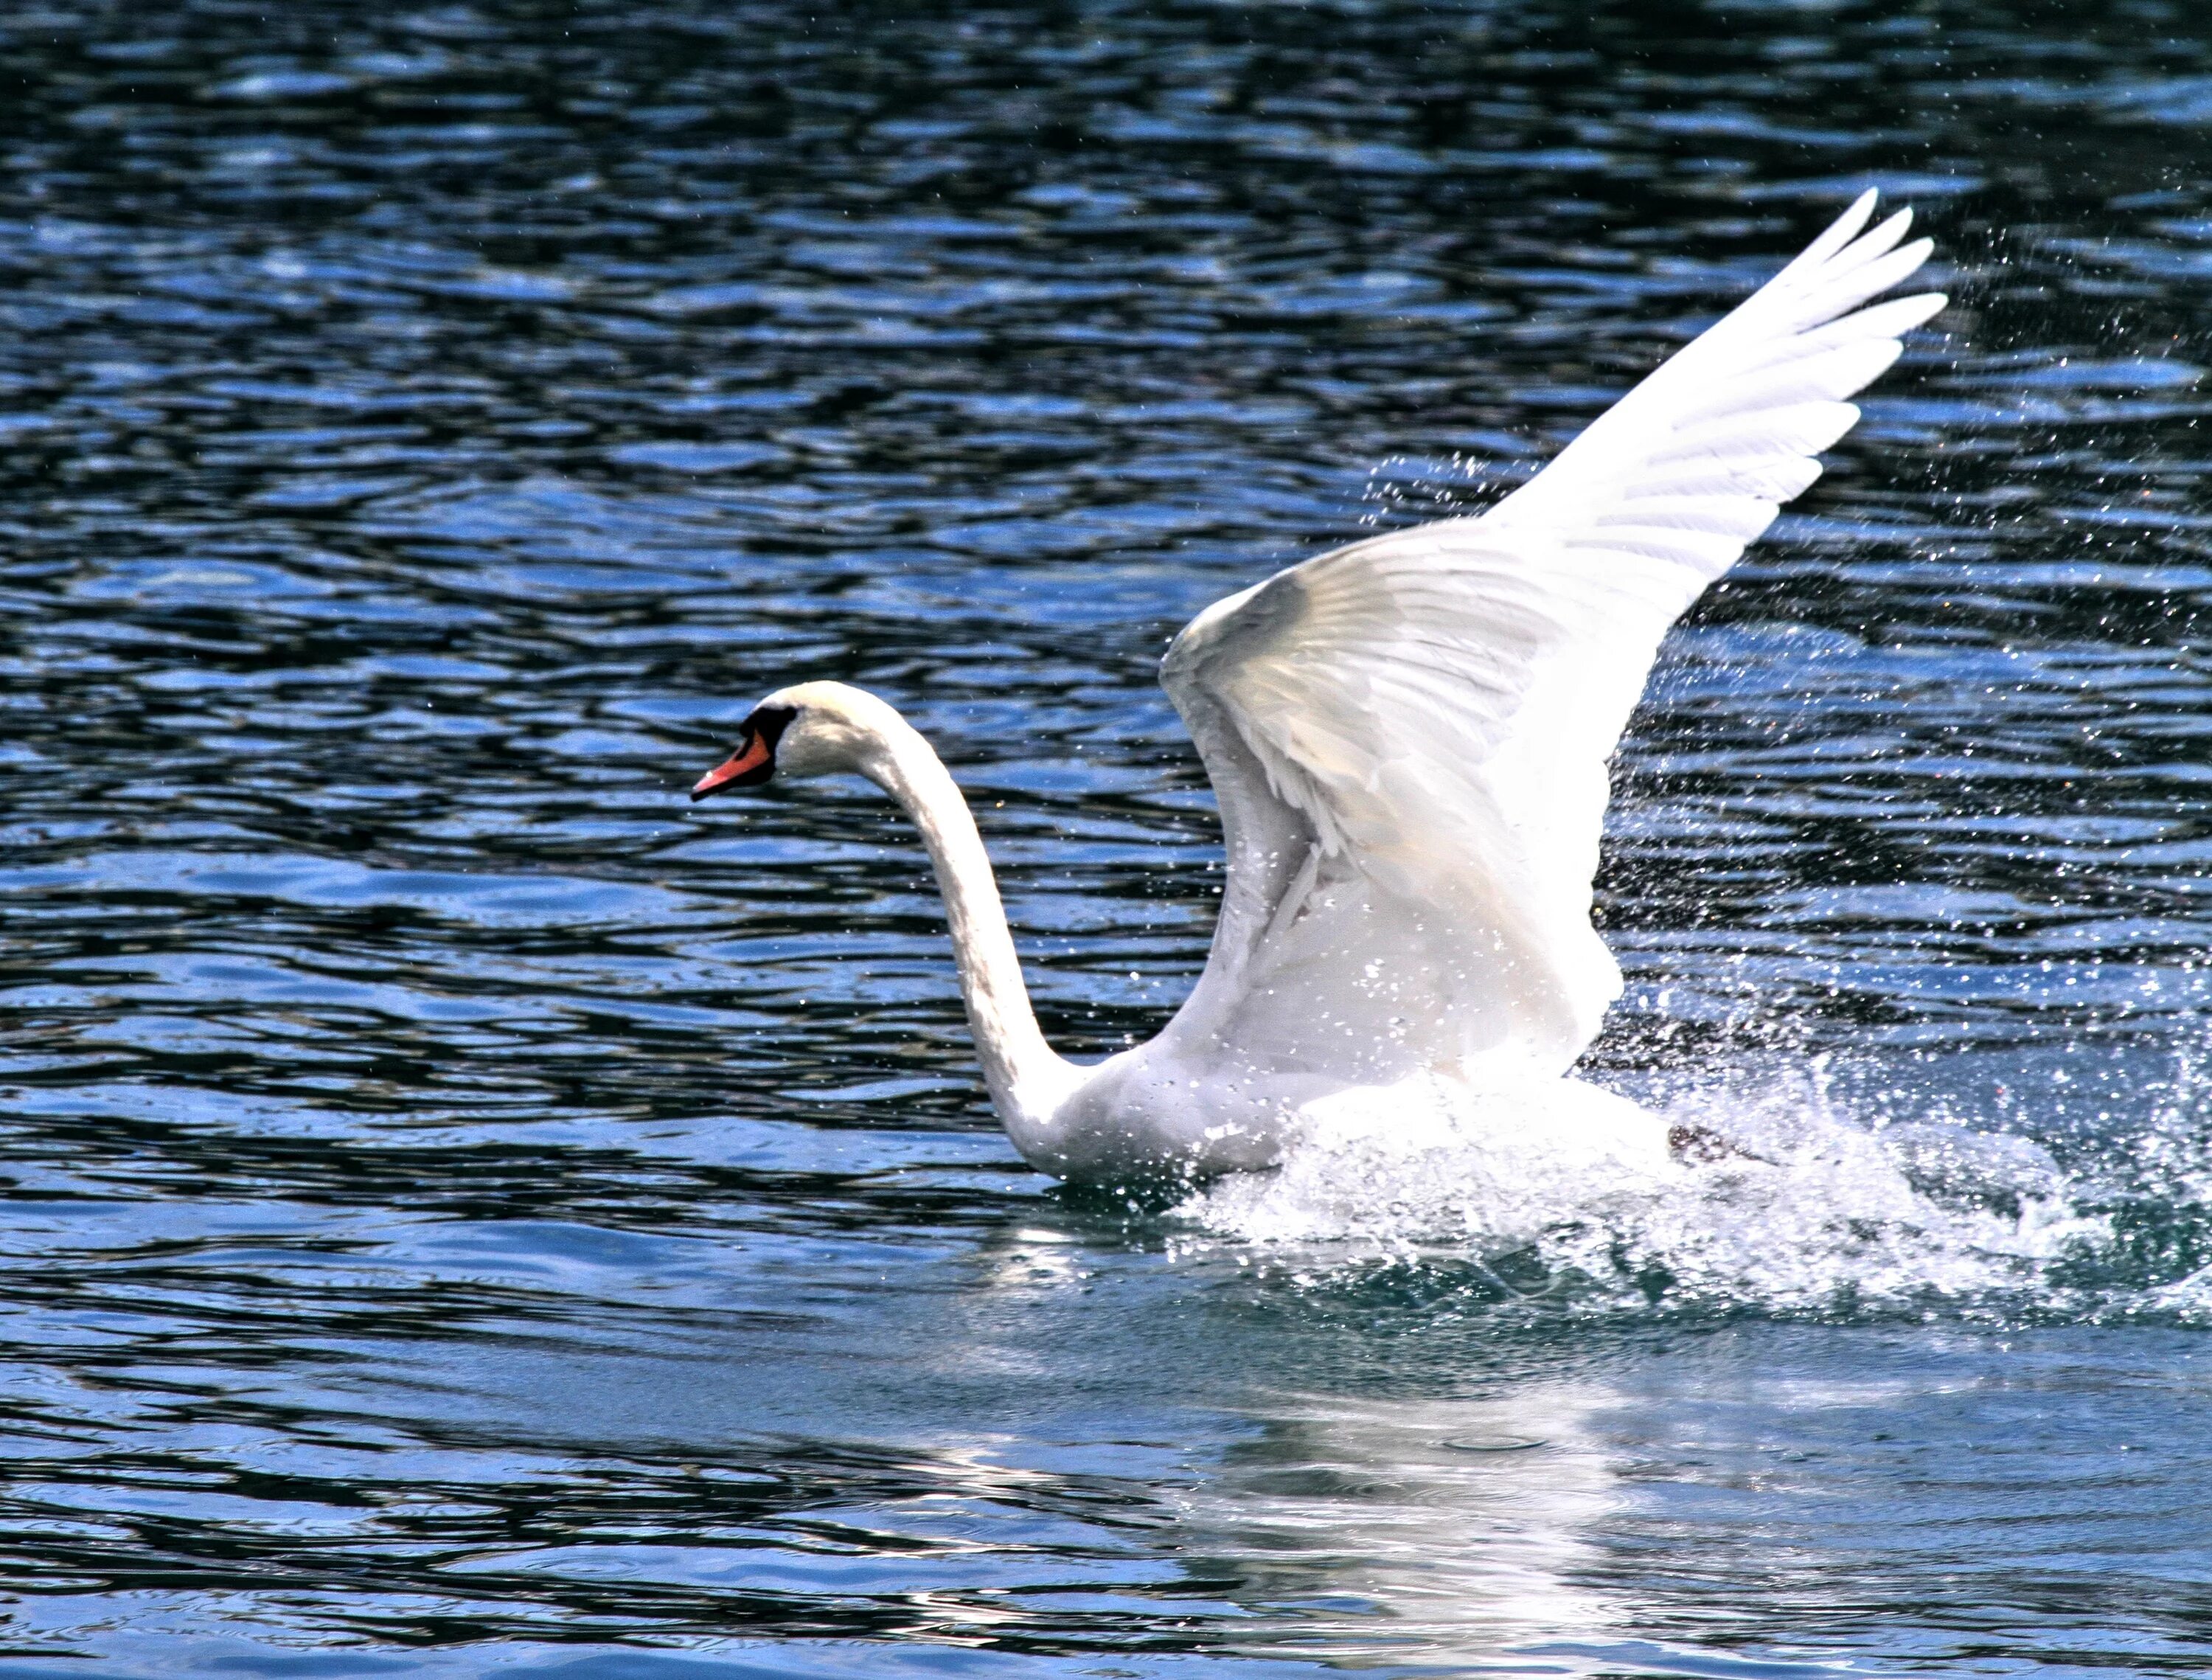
[1806, 1200]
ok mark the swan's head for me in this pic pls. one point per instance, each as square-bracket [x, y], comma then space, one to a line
[808, 730]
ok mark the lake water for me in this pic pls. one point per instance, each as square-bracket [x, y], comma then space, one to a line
[471, 1213]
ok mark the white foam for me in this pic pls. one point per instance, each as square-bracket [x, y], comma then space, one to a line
[1816, 1211]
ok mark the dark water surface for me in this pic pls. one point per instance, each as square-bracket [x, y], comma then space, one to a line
[471, 1213]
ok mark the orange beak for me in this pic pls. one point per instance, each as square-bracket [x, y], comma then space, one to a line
[739, 768]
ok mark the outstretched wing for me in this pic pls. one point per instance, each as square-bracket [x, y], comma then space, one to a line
[1408, 736]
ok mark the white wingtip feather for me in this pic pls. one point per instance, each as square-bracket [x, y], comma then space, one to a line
[1875, 242]
[1836, 235]
[1919, 309]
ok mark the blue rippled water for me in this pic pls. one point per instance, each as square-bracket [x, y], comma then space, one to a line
[468, 1213]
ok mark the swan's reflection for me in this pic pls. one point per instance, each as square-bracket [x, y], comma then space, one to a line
[1449, 1527]
[1347, 1519]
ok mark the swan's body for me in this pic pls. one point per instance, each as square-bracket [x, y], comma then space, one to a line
[1407, 738]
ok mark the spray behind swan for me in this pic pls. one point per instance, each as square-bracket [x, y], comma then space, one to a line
[1407, 738]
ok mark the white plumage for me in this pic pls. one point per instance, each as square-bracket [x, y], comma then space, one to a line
[1407, 738]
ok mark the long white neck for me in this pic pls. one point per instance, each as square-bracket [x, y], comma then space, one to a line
[1027, 1079]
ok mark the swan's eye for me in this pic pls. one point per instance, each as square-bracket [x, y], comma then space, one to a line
[754, 761]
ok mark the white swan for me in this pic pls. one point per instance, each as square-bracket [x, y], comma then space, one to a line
[1407, 738]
